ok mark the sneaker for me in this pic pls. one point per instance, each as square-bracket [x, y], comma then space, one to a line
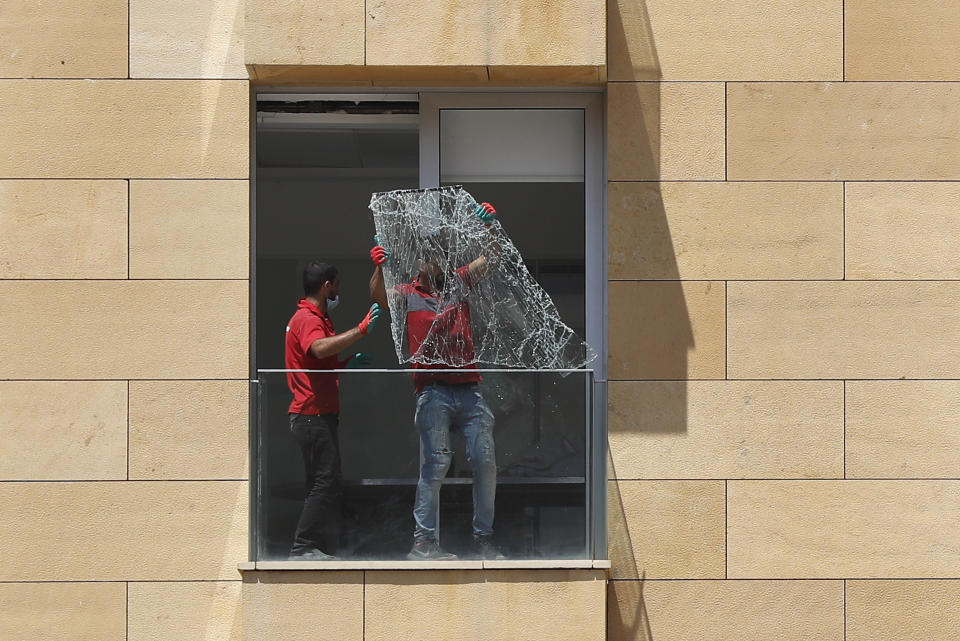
[311, 554]
[486, 550]
[429, 550]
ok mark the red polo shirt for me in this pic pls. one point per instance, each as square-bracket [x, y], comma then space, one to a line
[313, 393]
[440, 329]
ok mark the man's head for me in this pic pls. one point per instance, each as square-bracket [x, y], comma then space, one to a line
[320, 280]
[431, 273]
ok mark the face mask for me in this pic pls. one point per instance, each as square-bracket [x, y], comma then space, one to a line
[332, 303]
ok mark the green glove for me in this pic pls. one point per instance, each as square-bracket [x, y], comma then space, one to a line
[370, 319]
[359, 360]
[486, 213]
[379, 254]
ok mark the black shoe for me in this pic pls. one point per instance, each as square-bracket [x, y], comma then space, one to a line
[311, 554]
[485, 549]
[429, 550]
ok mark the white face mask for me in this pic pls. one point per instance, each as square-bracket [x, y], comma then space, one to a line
[332, 303]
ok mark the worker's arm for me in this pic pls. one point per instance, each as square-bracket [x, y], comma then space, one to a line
[378, 292]
[331, 345]
[480, 267]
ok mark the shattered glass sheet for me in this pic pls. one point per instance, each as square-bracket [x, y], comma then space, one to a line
[514, 321]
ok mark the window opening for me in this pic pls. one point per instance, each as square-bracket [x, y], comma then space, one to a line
[319, 160]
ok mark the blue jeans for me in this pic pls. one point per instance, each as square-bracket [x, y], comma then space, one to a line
[441, 408]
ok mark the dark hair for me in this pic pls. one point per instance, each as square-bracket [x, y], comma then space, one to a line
[315, 274]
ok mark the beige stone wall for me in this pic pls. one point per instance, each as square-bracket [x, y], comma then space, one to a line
[783, 309]
[410, 605]
[410, 42]
[124, 244]
[123, 331]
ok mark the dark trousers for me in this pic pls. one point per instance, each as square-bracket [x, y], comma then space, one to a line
[319, 521]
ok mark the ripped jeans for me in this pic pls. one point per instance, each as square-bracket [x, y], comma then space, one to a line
[441, 408]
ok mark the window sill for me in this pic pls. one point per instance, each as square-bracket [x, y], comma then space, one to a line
[538, 564]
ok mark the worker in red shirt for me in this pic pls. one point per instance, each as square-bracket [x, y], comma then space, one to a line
[313, 344]
[439, 331]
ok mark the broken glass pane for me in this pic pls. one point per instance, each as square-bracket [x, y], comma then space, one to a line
[458, 289]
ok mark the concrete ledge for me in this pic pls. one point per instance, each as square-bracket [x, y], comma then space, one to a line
[546, 564]
[532, 564]
[450, 76]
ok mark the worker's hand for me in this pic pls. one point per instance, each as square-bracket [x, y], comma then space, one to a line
[359, 360]
[379, 255]
[486, 213]
[370, 319]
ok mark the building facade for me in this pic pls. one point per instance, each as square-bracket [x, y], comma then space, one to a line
[782, 209]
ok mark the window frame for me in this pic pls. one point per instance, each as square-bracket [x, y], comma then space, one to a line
[432, 101]
[595, 251]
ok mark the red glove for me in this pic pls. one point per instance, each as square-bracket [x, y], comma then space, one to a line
[379, 255]
[486, 213]
[370, 319]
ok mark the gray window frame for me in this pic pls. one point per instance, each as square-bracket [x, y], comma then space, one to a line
[432, 101]
[431, 104]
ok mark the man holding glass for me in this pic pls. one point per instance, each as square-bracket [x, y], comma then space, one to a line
[439, 331]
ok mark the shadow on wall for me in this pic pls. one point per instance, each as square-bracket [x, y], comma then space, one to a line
[650, 329]
[634, 624]
[627, 618]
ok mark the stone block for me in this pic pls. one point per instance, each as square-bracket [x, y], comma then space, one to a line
[189, 429]
[903, 429]
[459, 32]
[125, 329]
[63, 430]
[187, 39]
[725, 610]
[725, 231]
[905, 40]
[63, 229]
[666, 330]
[186, 611]
[123, 531]
[843, 329]
[63, 39]
[189, 229]
[666, 529]
[726, 429]
[63, 611]
[902, 231]
[843, 131]
[123, 129]
[302, 32]
[848, 529]
[665, 131]
[725, 40]
[494, 605]
[274, 606]
[882, 610]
